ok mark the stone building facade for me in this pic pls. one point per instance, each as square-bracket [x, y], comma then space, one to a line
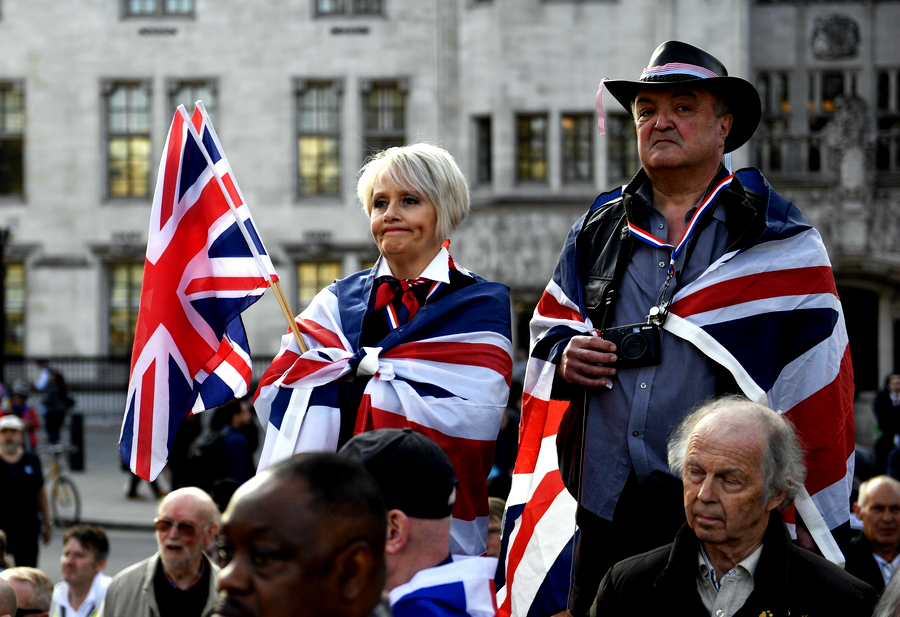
[301, 90]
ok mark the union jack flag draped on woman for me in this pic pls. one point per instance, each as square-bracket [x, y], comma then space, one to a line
[444, 374]
[769, 313]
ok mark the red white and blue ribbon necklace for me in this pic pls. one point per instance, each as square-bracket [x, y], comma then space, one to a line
[645, 236]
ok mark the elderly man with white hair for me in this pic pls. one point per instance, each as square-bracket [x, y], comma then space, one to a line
[741, 464]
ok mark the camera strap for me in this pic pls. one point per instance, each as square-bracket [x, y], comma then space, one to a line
[675, 250]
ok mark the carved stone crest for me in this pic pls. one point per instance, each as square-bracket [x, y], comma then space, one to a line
[835, 36]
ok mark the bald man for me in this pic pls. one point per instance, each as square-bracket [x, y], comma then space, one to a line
[7, 599]
[179, 579]
[875, 553]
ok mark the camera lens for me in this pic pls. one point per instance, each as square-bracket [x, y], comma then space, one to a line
[633, 346]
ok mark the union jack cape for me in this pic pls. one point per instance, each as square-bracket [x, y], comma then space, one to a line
[444, 374]
[465, 586]
[769, 313]
[205, 265]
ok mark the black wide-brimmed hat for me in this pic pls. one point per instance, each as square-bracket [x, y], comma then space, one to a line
[675, 62]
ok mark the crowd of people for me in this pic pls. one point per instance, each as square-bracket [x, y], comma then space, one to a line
[393, 420]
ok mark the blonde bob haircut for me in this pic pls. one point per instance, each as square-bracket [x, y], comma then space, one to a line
[429, 172]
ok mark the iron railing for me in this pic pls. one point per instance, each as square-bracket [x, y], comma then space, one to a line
[98, 384]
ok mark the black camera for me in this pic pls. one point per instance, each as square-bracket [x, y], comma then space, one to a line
[636, 345]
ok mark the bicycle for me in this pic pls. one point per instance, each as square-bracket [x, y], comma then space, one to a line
[65, 502]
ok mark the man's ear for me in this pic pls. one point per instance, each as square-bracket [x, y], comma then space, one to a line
[397, 532]
[857, 510]
[725, 124]
[354, 566]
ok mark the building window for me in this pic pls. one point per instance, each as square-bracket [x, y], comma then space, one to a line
[188, 92]
[12, 138]
[124, 301]
[887, 109]
[776, 150]
[155, 8]
[348, 7]
[825, 91]
[384, 115]
[531, 147]
[483, 151]
[312, 277]
[318, 138]
[14, 343]
[622, 159]
[577, 131]
[127, 112]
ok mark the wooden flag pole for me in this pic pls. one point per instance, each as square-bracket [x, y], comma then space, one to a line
[283, 303]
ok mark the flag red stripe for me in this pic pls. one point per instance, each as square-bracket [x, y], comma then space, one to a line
[827, 441]
[550, 486]
[326, 337]
[225, 283]
[797, 281]
[468, 354]
[550, 307]
[145, 432]
[173, 161]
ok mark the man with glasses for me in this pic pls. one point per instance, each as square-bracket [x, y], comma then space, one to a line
[179, 579]
[33, 590]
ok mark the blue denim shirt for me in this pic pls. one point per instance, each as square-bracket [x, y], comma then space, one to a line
[628, 426]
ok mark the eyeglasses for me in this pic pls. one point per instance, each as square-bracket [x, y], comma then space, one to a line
[164, 525]
[20, 612]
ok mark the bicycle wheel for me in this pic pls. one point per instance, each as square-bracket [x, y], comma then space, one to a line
[65, 502]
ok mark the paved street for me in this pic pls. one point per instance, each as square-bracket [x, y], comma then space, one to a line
[101, 485]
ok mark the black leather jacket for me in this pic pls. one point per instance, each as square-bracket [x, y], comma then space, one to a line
[604, 245]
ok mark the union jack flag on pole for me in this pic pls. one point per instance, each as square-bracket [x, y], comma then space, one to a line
[205, 265]
[769, 313]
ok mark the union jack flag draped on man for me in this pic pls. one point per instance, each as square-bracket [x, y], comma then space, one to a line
[768, 313]
[201, 271]
[444, 374]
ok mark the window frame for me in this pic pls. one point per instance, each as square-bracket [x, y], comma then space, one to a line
[323, 278]
[575, 144]
[532, 147]
[348, 8]
[384, 137]
[131, 307]
[12, 136]
[159, 11]
[333, 132]
[129, 136]
[619, 169]
[175, 85]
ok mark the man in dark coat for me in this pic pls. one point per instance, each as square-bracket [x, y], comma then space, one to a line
[875, 553]
[740, 464]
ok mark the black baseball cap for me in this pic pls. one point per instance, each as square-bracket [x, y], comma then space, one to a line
[415, 475]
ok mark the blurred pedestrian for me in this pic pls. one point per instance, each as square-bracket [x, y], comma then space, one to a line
[85, 549]
[887, 411]
[26, 509]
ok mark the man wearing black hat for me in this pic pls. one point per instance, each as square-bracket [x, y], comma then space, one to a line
[419, 487]
[656, 271]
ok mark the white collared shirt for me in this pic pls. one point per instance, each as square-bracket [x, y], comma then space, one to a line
[437, 270]
[60, 606]
[724, 598]
[887, 567]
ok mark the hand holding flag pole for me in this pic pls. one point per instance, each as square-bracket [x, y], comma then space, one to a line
[200, 116]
